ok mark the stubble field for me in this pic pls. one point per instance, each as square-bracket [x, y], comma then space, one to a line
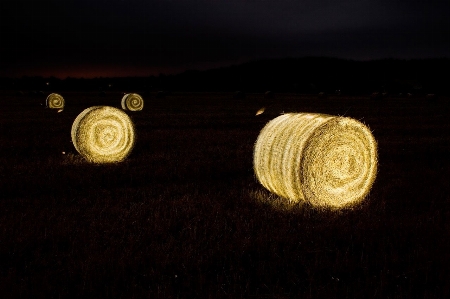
[184, 216]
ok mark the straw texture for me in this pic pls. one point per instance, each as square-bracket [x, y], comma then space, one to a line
[103, 134]
[325, 160]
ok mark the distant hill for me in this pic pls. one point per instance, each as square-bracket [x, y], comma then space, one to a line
[301, 75]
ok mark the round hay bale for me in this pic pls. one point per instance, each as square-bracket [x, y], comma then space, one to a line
[132, 102]
[55, 101]
[103, 134]
[325, 160]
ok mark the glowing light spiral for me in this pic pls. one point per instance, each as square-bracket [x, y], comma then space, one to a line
[132, 102]
[55, 101]
[103, 134]
[326, 160]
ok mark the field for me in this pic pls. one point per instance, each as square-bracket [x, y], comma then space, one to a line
[184, 216]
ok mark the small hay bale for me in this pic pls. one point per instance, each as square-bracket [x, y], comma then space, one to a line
[103, 134]
[325, 160]
[260, 111]
[55, 101]
[132, 102]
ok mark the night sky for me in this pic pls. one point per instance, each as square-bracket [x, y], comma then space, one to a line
[115, 38]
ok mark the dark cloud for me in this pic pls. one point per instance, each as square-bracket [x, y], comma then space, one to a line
[145, 37]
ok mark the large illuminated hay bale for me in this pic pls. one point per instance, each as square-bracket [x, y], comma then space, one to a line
[103, 134]
[54, 101]
[326, 160]
[132, 102]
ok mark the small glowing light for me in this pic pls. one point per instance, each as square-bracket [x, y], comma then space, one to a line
[55, 101]
[132, 102]
[47, 83]
[260, 111]
[103, 134]
[60, 110]
[326, 160]
[63, 153]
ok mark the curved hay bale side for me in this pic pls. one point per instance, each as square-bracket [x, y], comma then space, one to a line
[103, 134]
[326, 160]
[132, 102]
[54, 101]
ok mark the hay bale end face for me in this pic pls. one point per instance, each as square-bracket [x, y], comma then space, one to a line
[55, 101]
[103, 134]
[132, 102]
[325, 160]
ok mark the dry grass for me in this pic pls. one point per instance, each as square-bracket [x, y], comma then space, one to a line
[184, 216]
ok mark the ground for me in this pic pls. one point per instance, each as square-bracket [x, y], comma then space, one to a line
[184, 216]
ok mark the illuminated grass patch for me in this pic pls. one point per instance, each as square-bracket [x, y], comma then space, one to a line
[325, 160]
[103, 134]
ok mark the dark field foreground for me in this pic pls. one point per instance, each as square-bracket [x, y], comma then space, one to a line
[184, 217]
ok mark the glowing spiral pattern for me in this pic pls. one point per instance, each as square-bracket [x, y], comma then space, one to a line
[55, 101]
[132, 102]
[326, 160]
[103, 134]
